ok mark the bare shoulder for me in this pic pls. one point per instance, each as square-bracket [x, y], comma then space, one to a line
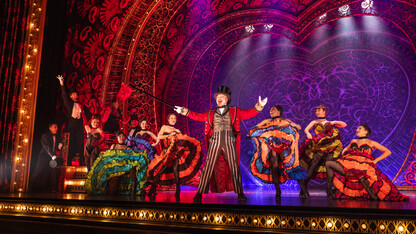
[313, 122]
[372, 143]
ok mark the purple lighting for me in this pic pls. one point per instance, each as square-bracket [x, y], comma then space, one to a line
[341, 65]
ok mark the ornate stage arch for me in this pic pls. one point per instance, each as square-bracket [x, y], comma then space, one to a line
[357, 57]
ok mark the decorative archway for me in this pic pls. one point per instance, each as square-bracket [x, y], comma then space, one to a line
[159, 46]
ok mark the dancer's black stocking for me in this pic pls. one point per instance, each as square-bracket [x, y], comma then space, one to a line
[316, 162]
[330, 167]
[367, 187]
[274, 163]
[175, 168]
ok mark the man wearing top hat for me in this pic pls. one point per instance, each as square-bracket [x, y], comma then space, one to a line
[222, 129]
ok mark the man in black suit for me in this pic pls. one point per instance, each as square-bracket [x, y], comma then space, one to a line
[134, 123]
[74, 124]
[45, 178]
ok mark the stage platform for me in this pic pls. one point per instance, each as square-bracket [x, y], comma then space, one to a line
[79, 213]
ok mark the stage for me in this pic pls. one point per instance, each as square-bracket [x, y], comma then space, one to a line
[219, 212]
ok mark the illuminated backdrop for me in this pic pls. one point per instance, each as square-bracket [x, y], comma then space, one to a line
[298, 53]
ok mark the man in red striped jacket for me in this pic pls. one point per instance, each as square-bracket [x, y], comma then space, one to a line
[222, 129]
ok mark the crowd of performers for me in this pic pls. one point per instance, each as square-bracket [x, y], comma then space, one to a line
[132, 163]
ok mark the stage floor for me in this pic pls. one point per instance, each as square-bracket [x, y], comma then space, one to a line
[255, 196]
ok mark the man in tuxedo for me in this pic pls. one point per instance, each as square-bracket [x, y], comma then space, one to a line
[222, 129]
[45, 178]
[134, 123]
[74, 124]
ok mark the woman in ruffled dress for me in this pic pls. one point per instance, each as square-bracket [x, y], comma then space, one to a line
[321, 146]
[276, 158]
[142, 140]
[92, 146]
[357, 174]
[108, 172]
[179, 161]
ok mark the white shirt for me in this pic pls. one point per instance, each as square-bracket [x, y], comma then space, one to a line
[76, 111]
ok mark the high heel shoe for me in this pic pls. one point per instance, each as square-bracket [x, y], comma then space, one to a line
[152, 191]
[278, 195]
[178, 191]
[366, 185]
[330, 189]
[304, 193]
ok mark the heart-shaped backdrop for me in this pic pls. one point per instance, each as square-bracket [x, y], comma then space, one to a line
[358, 79]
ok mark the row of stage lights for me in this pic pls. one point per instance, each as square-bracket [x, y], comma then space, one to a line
[220, 219]
[342, 11]
[24, 130]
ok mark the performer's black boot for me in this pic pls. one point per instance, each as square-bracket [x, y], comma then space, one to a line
[242, 197]
[152, 190]
[278, 191]
[176, 173]
[303, 189]
[198, 198]
[178, 191]
[304, 193]
[367, 187]
[330, 189]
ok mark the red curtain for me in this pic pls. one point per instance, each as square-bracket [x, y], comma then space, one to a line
[13, 24]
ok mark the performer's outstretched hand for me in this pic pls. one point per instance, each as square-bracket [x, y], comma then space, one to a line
[178, 109]
[61, 79]
[262, 102]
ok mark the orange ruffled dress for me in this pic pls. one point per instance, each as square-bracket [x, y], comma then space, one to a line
[357, 163]
[281, 137]
[188, 150]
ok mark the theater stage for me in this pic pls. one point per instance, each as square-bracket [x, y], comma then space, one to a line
[75, 213]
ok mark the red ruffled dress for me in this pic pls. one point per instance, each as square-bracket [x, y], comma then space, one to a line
[188, 150]
[357, 163]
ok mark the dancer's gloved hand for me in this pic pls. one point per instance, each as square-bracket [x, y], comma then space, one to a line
[262, 102]
[178, 109]
[61, 79]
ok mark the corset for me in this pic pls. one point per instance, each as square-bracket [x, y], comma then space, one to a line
[364, 148]
[144, 136]
[93, 140]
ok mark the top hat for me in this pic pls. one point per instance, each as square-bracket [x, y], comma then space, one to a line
[57, 162]
[134, 117]
[72, 90]
[224, 90]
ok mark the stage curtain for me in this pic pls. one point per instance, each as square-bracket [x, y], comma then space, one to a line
[13, 24]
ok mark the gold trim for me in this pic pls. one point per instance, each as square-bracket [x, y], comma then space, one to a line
[28, 94]
[228, 220]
